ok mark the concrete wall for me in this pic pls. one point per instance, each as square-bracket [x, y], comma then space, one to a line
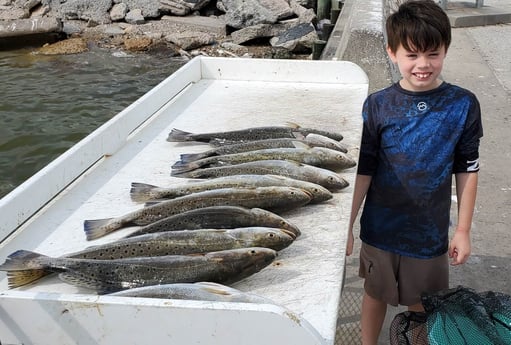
[359, 37]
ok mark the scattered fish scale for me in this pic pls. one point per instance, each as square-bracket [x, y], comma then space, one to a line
[141, 192]
[324, 177]
[219, 217]
[272, 198]
[104, 276]
[250, 134]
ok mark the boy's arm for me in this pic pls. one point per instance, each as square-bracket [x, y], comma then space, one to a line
[362, 183]
[466, 189]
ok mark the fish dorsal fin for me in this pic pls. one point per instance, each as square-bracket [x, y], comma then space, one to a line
[293, 125]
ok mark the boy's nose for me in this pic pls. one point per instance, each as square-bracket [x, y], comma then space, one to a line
[423, 62]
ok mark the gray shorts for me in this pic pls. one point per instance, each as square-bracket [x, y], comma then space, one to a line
[397, 279]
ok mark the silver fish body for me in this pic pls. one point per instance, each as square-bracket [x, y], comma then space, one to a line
[200, 291]
[250, 134]
[222, 148]
[323, 177]
[188, 242]
[316, 156]
[275, 197]
[219, 217]
[105, 276]
[144, 192]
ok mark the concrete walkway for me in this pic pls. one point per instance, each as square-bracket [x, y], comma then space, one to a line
[479, 59]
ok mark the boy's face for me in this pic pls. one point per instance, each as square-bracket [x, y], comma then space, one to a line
[420, 70]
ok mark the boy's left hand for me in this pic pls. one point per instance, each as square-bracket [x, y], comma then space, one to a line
[459, 248]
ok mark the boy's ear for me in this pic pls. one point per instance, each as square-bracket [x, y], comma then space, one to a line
[391, 54]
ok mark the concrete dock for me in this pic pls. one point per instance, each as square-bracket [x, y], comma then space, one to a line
[479, 60]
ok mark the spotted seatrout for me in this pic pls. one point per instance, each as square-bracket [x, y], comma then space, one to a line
[105, 276]
[281, 198]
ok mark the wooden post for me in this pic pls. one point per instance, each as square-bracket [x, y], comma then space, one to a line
[323, 11]
[317, 49]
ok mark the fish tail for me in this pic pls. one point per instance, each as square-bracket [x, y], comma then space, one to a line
[180, 173]
[19, 278]
[181, 167]
[140, 192]
[190, 157]
[22, 269]
[177, 135]
[97, 228]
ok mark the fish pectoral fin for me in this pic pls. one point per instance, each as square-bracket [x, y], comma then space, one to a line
[300, 145]
[216, 291]
[77, 279]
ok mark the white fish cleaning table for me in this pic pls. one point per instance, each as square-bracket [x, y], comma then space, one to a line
[92, 180]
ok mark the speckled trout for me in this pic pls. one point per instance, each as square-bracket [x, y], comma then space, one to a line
[141, 192]
[188, 242]
[200, 291]
[253, 133]
[223, 217]
[272, 198]
[324, 177]
[105, 276]
[224, 148]
[316, 156]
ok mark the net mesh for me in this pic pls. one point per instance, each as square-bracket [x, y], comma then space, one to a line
[458, 316]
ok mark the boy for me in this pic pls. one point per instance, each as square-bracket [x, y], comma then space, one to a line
[416, 134]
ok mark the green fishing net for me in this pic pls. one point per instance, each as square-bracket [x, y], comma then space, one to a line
[458, 316]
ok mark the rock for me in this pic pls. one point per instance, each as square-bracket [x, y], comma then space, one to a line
[95, 12]
[28, 4]
[23, 27]
[40, 11]
[212, 25]
[118, 12]
[190, 40]
[137, 43]
[242, 13]
[262, 30]
[298, 39]
[69, 46]
[113, 30]
[135, 17]
[149, 8]
[237, 49]
[13, 13]
[72, 27]
[182, 7]
[306, 15]
[279, 7]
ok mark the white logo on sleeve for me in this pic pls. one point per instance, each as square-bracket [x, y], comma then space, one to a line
[473, 165]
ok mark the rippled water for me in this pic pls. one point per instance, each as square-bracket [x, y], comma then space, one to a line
[48, 103]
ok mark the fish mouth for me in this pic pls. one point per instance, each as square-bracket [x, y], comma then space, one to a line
[290, 233]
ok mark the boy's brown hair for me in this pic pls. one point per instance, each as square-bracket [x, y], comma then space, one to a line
[419, 26]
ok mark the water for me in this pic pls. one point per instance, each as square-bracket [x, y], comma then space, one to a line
[48, 103]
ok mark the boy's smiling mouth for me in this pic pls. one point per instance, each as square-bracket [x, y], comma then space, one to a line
[422, 76]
